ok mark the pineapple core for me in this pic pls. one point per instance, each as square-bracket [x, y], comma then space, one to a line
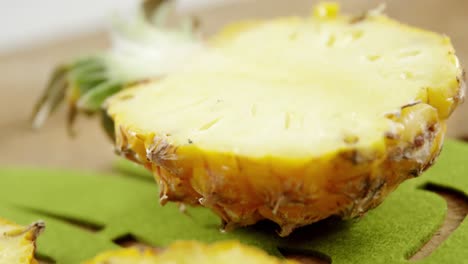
[294, 119]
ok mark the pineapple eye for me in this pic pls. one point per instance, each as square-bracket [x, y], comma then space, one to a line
[125, 97]
[253, 110]
[210, 124]
[293, 36]
[406, 75]
[357, 34]
[331, 41]
[287, 121]
[373, 57]
[351, 139]
[408, 53]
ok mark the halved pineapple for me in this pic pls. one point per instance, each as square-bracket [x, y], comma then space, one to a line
[227, 252]
[293, 119]
[17, 243]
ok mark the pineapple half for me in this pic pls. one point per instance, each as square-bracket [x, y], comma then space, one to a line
[18, 243]
[291, 119]
[227, 252]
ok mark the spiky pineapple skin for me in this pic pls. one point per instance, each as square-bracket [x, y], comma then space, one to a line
[189, 252]
[18, 238]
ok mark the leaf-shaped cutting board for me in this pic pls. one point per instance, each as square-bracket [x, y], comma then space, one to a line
[117, 206]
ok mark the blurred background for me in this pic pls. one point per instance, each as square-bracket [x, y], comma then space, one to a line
[32, 22]
[37, 35]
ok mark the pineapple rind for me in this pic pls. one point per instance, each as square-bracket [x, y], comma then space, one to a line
[17, 243]
[295, 191]
[181, 252]
[346, 183]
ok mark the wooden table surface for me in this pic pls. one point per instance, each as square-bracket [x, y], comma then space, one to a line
[24, 73]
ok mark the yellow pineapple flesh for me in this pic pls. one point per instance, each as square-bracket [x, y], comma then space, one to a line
[294, 119]
[17, 243]
[181, 252]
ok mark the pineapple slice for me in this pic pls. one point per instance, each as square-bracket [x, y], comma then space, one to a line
[292, 119]
[190, 252]
[17, 243]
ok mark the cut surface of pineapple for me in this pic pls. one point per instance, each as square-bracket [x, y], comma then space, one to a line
[294, 119]
[17, 243]
[297, 88]
[182, 252]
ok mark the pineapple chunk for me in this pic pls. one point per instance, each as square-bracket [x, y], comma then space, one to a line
[189, 252]
[17, 243]
[294, 119]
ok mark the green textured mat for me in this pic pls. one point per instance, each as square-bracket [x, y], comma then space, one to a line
[115, 206]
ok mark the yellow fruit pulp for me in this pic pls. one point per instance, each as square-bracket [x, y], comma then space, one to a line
[17, 243]
[185, 252]
[296, 88]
